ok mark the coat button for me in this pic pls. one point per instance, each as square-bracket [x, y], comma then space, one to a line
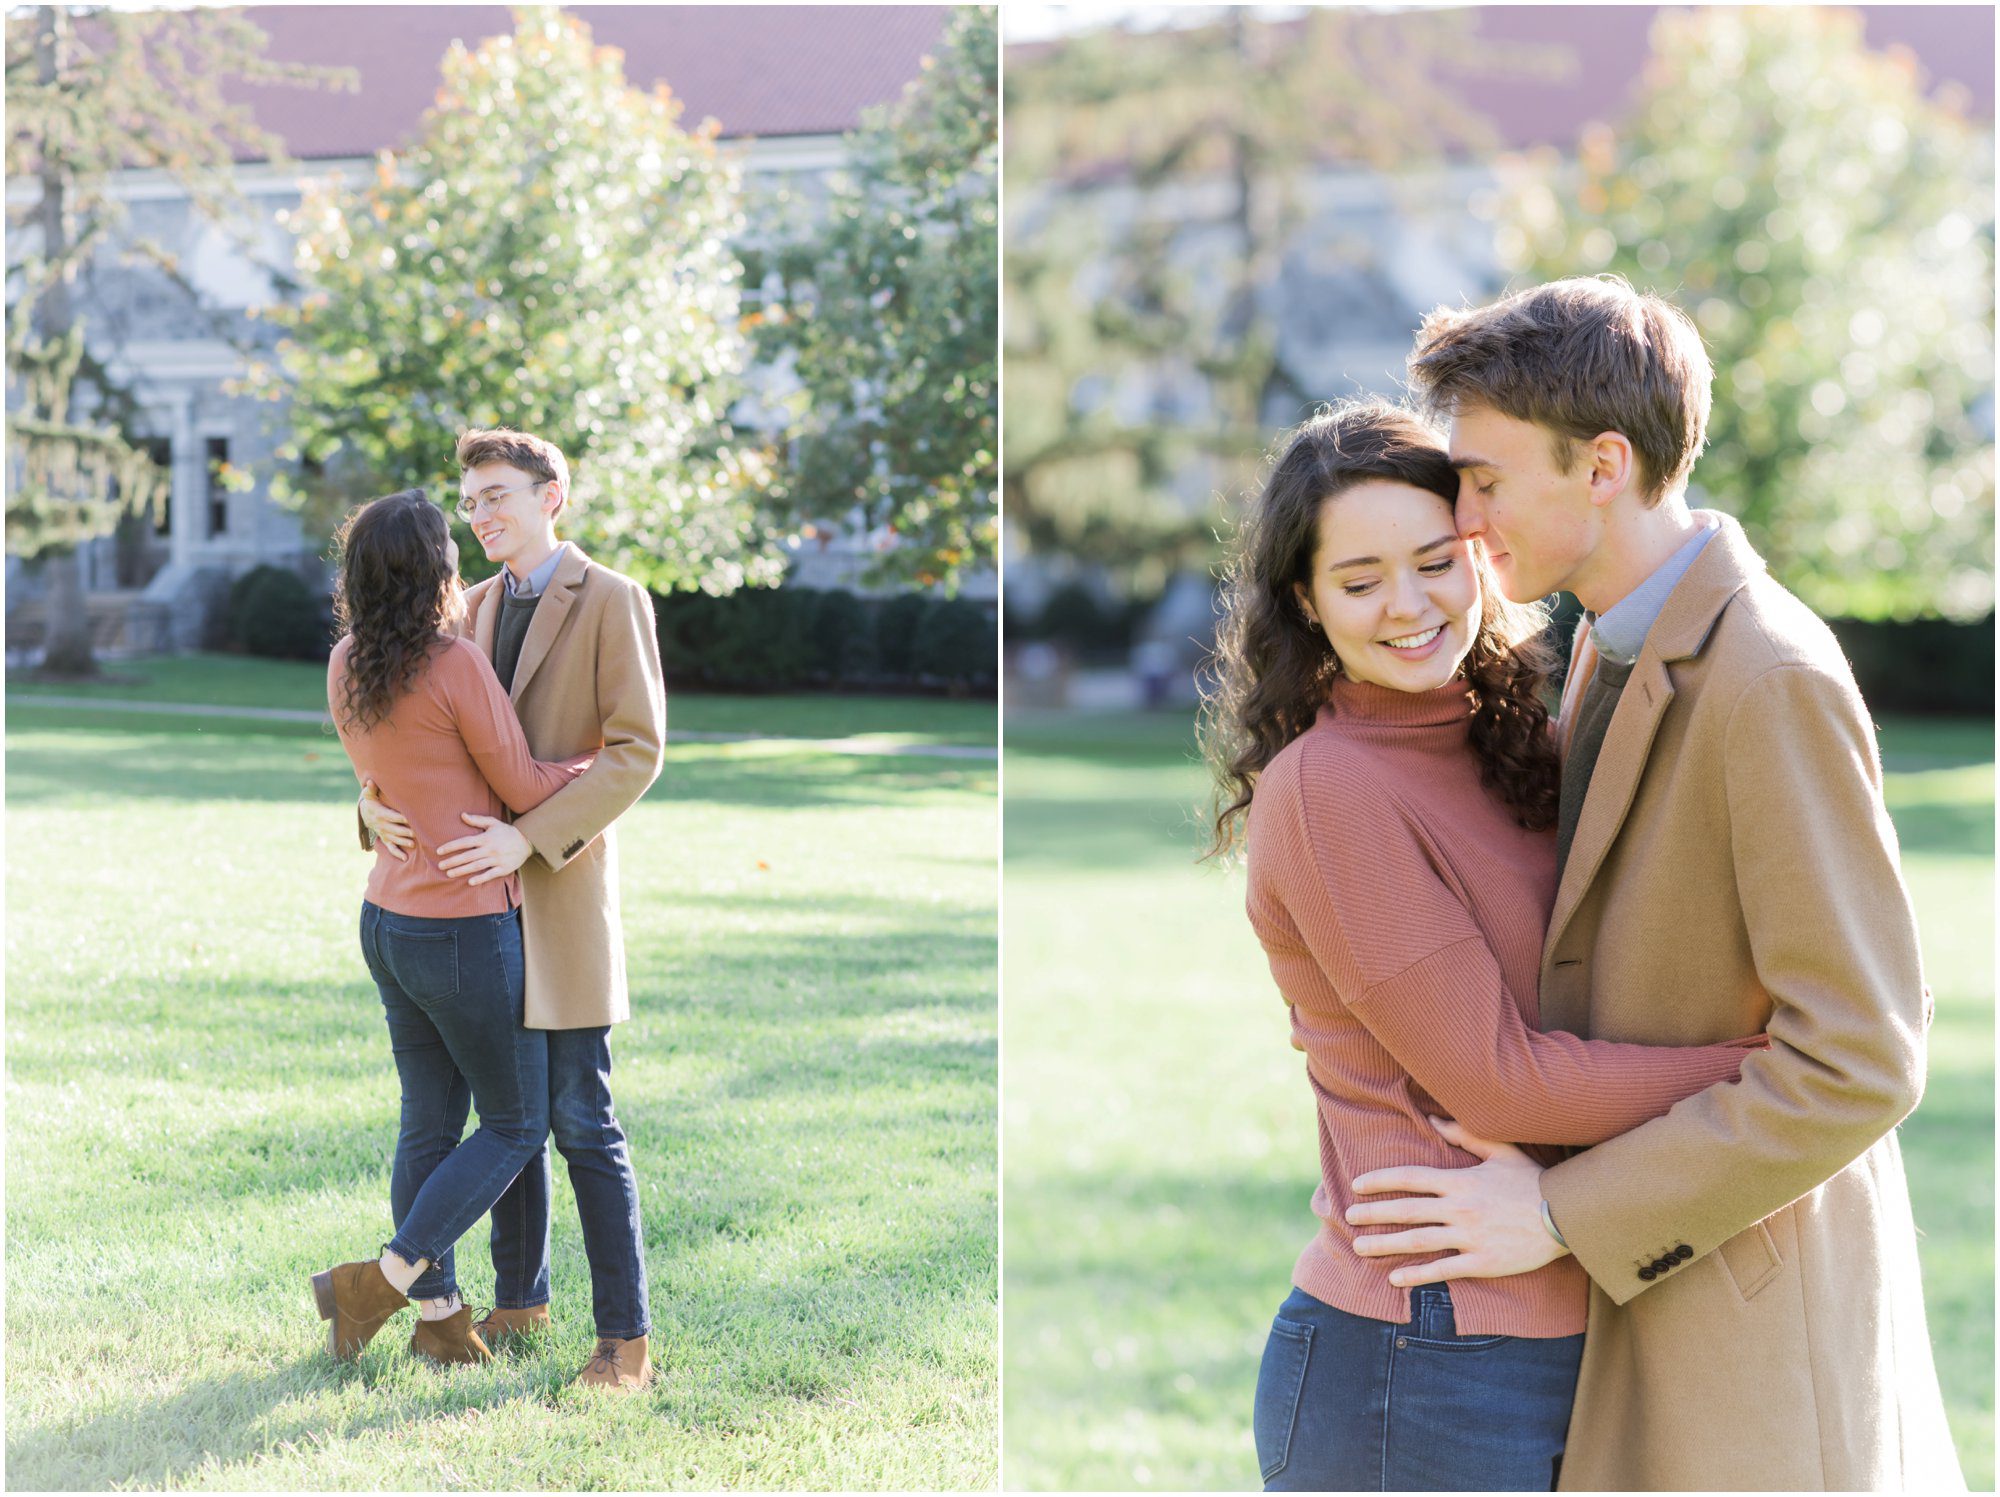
[1649, 1274]
[1684, 1252]
[1661, 1265]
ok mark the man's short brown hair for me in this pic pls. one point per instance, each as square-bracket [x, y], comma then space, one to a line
[540, 460]
[1580, 357]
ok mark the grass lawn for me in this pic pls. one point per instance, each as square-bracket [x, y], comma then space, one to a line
[246, 681]
[201, 1107]
[1158, 1136]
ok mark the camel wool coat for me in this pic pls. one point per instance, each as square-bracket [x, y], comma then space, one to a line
[1756, 1318]
[588, 676]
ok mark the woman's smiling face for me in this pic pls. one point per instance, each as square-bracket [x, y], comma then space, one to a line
[1393, 586]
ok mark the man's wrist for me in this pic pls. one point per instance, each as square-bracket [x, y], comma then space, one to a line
[1549, 1221]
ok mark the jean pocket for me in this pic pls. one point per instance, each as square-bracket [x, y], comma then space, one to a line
[1280, 1381]
[1450, 1343]
[424, 964]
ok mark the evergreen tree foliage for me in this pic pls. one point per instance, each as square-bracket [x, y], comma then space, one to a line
[553, 253]
[91, 93]
[891, 314]
[1830, 228]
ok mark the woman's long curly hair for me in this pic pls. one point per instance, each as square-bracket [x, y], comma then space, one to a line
[397, 592]
[1271, 671]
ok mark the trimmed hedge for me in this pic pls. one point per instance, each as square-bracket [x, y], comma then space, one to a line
[274, 612]
[792, 638]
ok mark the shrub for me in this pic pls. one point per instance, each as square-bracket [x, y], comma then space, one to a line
[273, 612]
[956, 644]
[898, 623]
[843, 637]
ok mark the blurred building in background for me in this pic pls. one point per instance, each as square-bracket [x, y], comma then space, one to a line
[785, 84]
[1372, 238]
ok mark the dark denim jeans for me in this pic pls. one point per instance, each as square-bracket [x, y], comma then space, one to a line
[452, 992]
[586, 1131]
[1347, 1404]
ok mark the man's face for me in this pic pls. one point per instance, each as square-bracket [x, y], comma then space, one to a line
[1537, 522]
[510, 511]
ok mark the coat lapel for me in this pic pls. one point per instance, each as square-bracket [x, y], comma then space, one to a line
[1614, 781]
[557, 600]
[1582, 666]
[483, 604]
[1683, 627]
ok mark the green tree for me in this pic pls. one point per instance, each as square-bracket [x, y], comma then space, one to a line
[1830, 228]
[552, 254]
[1155, 183]
[90, 94]
[892, 315]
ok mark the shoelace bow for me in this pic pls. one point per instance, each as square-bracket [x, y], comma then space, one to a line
[604, 1359]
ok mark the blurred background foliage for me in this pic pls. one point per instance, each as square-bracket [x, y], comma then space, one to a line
[553, 253]
[891, 313]
[1822, 210]
[1142, 345]
[1831, 230]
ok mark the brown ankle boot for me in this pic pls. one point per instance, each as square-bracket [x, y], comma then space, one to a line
[356, 1301]
[617, 1364]
[452, 1339]
[501, 1324]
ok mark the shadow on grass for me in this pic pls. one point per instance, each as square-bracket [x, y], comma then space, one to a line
[810, 1335]
[1944, 826]
[119, 760]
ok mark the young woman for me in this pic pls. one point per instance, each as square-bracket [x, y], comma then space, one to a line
[1381, 748]
[421, 713]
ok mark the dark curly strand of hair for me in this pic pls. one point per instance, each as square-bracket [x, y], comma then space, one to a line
[1270, 672]
[397, 592]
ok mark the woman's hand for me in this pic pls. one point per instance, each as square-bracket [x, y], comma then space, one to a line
[386, 825]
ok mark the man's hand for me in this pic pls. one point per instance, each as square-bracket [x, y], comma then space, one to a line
[493, 853]
[386, 825]
[1489, 1216]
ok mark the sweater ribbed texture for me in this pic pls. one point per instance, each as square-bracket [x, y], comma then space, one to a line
[450, 743]
[1403, 911]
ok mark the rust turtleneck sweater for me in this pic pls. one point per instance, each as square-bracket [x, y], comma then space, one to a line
[1403, 910]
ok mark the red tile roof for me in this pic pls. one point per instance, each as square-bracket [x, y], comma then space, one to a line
[757, 69]
[1608, 47]
[1951, 44]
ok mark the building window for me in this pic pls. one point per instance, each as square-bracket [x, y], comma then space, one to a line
[218, 496]
[161, 451]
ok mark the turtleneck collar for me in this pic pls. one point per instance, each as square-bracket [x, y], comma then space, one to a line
[1365, 702]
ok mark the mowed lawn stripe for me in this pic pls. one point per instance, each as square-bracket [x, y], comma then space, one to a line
[1158, 1136]
[201, 1105]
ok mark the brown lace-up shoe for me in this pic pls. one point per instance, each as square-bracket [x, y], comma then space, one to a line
[452, 1339]
[500, 1325]
[356, 1301]
[617, 1364]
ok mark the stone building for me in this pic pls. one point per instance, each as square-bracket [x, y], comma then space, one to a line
[785, 82]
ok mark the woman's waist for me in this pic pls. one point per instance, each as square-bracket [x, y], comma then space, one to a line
[417, 889]
[1552, 1300]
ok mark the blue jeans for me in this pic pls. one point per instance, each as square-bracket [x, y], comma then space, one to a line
[1348, 1404]
[584, 1128]
[452, 992]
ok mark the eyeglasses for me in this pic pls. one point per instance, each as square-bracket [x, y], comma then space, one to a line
[469, 508]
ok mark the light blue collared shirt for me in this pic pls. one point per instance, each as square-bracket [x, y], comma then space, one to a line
[537, 579]
[1622, 630]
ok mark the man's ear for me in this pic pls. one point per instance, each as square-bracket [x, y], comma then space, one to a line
[555, 499]
[1614, 467]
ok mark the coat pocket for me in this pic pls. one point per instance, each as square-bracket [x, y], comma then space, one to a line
[1751, 1260]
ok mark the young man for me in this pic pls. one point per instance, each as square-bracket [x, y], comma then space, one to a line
[1727, 866]
[574, 645]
